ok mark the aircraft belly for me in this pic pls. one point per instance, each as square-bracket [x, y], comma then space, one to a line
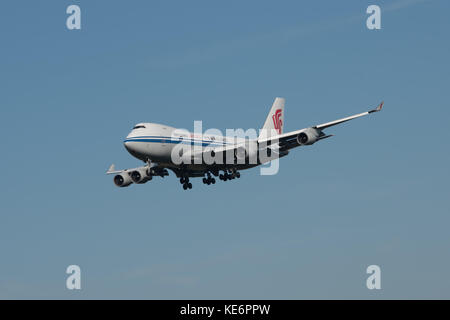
[162, 152]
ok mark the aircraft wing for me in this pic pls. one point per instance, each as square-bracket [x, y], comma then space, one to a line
[289, 140]
[339, 121]
[220, 151]
[112, 170]
[156, 170]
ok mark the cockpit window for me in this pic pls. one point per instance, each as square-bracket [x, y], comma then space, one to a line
[139, 127]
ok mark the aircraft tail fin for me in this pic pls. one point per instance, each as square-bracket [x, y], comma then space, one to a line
[275, 120]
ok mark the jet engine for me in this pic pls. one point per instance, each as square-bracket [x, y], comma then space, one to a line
[122, 180]
[140, 175]
[308, 136]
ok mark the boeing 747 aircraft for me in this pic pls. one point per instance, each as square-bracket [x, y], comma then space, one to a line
[188, 155]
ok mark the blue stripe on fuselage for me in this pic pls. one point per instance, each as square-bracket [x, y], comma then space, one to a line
[174, 140]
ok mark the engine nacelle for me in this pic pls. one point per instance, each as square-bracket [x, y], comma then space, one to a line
[122, 180]
[308, 136]
[140, 175]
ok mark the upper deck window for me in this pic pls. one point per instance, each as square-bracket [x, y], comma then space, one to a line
[139, 127]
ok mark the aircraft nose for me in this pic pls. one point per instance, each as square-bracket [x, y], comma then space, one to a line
[127, 142]
[131, 144]
[128, 145]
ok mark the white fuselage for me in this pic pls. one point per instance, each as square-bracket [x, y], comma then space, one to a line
[155, 142]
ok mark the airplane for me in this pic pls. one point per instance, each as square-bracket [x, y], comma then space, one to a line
[155, 145]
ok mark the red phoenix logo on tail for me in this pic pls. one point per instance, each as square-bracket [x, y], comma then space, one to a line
[277, 123]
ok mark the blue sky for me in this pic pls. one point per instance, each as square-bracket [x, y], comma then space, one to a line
[376, 193]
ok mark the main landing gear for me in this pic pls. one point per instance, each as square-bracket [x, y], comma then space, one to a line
[185, 182]
[229, 175]
[208, 179]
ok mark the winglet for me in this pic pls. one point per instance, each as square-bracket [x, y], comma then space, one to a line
[111, 169]
[378, 108]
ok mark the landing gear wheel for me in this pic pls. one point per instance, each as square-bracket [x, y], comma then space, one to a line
[238, 175]
[221, 176]
[185, 186]
[213, 180]
[204, 180]
[189, 185]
